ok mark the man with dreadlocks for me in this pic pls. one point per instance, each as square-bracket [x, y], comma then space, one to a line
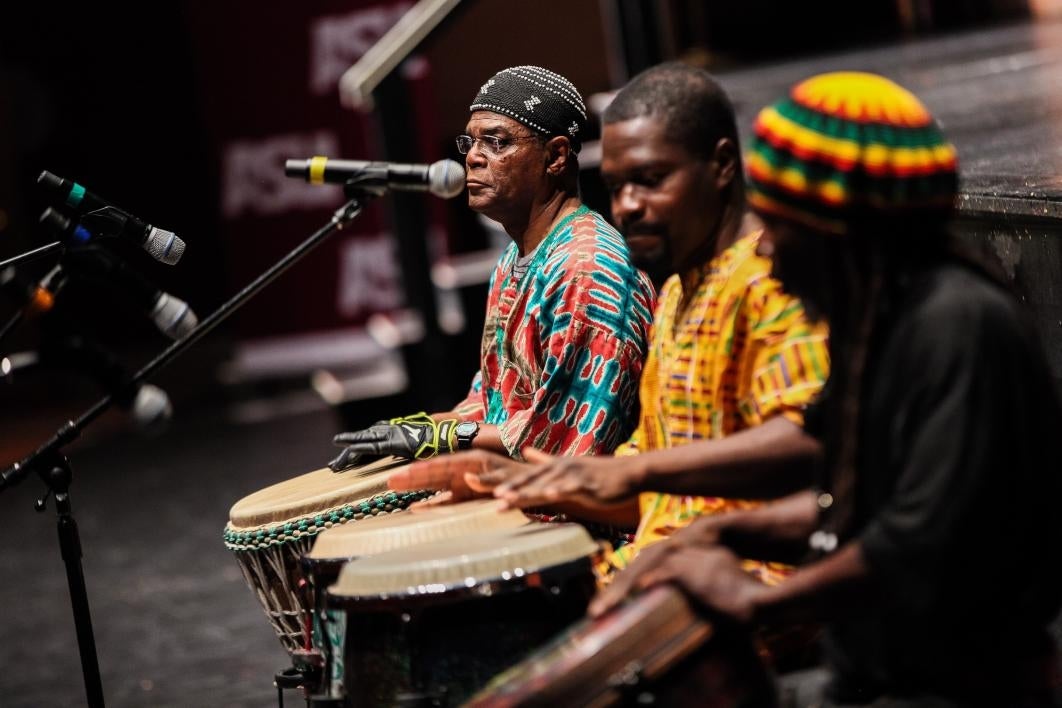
[934, 534]
[568, 315]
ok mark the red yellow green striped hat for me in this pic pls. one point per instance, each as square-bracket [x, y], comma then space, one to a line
[846, 147]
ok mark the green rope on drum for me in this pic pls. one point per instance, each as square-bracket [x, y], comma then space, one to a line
[308, 527]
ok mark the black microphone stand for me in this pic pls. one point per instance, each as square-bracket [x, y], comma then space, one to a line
[32, 255]
[55, 470]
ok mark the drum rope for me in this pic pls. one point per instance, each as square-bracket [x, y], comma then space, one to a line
[283, 532]
[264, 555]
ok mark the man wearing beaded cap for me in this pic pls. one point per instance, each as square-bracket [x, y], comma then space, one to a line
[568, 315]
[731, 355]
[934, 531]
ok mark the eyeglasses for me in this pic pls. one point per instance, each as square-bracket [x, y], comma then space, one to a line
[490, 144]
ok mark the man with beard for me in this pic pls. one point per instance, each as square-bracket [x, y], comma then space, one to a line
[568, 315]
[731, 357]
[934, 531]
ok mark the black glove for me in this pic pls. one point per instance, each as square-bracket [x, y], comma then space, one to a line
[416, 437]
[348, 458]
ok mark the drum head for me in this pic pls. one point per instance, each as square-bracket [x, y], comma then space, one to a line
[464, 562]
[392, 532]
[311, 493]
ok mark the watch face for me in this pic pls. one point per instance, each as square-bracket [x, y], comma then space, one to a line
[465, 432]
[467, 428]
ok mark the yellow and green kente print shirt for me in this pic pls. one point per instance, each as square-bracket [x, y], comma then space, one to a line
[742, 352]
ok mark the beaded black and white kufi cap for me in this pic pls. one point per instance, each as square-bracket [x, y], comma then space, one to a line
[542, 100]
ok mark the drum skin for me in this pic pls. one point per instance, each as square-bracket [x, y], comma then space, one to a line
[310, 494]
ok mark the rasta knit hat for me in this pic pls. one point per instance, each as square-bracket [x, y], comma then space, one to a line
[846, 148]
[544, 101]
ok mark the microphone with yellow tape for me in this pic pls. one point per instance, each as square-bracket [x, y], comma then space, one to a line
[444, 178]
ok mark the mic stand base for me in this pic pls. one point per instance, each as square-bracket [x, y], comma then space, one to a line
[57, 475]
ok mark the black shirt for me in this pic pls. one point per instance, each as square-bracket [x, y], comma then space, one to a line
[957, 498]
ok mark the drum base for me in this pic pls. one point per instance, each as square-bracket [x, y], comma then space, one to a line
[307, 678]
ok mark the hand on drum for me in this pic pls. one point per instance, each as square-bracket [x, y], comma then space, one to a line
[543, 479]
[587, 479]
[463, 476]
[413, 437]
[711, 576]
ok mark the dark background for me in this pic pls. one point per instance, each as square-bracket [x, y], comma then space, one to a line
[147, 104]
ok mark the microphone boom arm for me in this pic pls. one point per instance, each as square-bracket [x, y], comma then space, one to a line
[36, 253]
[71, 430]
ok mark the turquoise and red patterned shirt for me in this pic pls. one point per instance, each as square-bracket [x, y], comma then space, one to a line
[564, 344]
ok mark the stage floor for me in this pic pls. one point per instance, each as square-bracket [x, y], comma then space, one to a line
[175, 623]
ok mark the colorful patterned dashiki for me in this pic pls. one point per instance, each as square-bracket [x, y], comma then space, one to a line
[564, 345]
[742, 352]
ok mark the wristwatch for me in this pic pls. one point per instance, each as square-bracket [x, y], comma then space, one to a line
[466, 431]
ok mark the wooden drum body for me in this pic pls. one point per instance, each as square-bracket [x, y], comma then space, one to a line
[654, 650]
[269, 530]
[431, 624]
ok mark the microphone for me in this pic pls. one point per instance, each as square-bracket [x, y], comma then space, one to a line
[147, 405]
[150, 407]
[32, 298]
[171, 315]
[101, 217]
[444, 178]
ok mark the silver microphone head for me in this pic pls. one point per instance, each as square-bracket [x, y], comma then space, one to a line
[164, 246]
[446, 178]
[151, 407]
[173, 316]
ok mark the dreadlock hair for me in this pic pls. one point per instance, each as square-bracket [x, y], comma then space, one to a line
[883, 260]
[852, 330]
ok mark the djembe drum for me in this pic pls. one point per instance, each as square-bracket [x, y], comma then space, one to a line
[654, 650]
[269, 530]
[335, 547]
[429, 625]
